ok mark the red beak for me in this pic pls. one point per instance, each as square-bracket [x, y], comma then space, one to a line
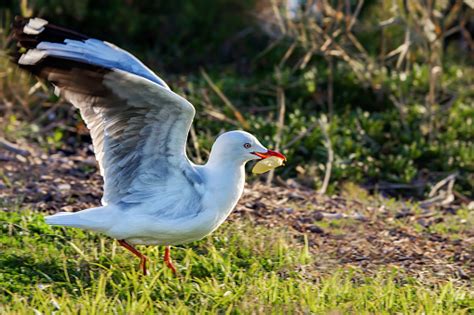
[270, 153]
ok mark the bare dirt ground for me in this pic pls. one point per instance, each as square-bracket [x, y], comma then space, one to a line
[362, 231]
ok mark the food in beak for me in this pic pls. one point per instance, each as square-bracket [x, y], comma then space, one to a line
[267, 164]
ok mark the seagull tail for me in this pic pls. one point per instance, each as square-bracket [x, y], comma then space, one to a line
[63, 218]
[91, 219]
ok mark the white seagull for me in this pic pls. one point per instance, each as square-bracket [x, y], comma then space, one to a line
[153, 194]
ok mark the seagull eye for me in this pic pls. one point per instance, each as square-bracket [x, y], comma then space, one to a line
[247, 145]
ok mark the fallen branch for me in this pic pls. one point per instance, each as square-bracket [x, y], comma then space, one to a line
[448, 180]
[441, 197]
[7, 145]
[336, 216]
[461, 197]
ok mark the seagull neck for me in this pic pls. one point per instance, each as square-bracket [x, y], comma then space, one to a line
[223, 165]
[225, 174]
[224, 162]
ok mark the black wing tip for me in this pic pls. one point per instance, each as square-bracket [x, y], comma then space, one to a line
[22, 39]
[19, 39]
[19, 42]
[25, 36]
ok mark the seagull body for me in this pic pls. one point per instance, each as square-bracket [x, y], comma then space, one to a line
[147, 223]
[153, 194]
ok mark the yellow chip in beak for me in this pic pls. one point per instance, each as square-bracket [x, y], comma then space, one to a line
[267, 164]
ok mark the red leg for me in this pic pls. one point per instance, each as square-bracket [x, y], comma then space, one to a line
[136, 253]
[168, 262]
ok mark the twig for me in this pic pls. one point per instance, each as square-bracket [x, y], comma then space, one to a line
[467, 34]
[434, 74]
[224, 98]
[323, 122]
[359, 46]
[281, 124]
[355, 15]
[7, 145]
[23, 103]
[336, 216]
[220, 116]
[268, 49]
[47, 113]
[461, 197]
[448, 180]
[277, 13]
[330, 86]
[281, 182]
[287, 55]
[405, 48]
[213, 112]
[401, 110]
[196, 145]
[300, 136]
[444, 197]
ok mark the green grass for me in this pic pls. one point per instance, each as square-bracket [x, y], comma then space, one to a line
[239, 269]
[455, 226]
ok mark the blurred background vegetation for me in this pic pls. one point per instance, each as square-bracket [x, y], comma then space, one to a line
[377, 93]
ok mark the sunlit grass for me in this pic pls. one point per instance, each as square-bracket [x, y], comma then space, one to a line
[455, 226]
[241, 268]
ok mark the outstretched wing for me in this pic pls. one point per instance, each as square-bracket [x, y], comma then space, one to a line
[139, 127]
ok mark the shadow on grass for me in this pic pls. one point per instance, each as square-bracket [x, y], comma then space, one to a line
[19, 274]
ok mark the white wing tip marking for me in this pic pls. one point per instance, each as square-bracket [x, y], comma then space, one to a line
[32, 56]
[34, 26]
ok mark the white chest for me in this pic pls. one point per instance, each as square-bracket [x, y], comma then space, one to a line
[223, 191]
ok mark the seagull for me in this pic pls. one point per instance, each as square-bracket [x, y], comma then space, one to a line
[153, 194]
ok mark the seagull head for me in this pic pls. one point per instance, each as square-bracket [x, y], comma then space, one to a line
[241, 147]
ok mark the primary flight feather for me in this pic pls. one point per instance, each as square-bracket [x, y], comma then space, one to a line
[153, 194]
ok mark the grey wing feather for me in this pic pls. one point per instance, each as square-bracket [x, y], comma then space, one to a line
[139, 127]
[140, 144]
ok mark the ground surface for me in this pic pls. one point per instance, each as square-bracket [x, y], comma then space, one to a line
[301, 246]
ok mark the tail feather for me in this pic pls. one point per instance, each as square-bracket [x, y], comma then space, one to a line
[65, 219]
[94, 219]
